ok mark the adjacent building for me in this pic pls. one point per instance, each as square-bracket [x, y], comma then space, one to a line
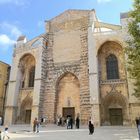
[4, 77]
[77, 67]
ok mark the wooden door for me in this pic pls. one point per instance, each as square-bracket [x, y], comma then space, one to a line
[28, 116]
[116, 117]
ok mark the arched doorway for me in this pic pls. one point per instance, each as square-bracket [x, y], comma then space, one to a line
[113, 109]
[68, 96]
[25, 111]
[26, 76]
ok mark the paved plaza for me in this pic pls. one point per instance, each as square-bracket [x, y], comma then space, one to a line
[53, 132]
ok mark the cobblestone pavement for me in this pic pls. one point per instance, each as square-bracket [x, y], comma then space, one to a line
[53, 132]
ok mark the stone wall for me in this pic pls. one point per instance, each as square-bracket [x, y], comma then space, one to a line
[56, 68]
[4, 77]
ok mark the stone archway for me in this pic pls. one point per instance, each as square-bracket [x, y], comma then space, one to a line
[113, 109]
[26, 78]
[105, 50]
[113, 85]
[68, 96]
[26, 110]
[26, 66]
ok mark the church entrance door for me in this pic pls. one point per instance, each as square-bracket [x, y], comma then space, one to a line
[69, 112]
[28, 116]
[116, 117]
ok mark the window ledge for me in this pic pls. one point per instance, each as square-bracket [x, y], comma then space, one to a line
[27, 88]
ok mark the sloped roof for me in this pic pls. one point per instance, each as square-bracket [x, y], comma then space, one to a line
[70, 15]
[4, 63]
[21, 38]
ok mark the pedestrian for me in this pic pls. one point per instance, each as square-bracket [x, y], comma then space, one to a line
[58, 120]
[63, 121]
[137, 121]
[91, 126]
[139, 128]
[0, 120]
[77, 122]
[5, 134]
[68, 122]
[0, 135]
[35, 125]
[42, 120]
[71, 122]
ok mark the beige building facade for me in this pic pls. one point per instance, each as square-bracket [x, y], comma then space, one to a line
[77, 67]
[4, 78]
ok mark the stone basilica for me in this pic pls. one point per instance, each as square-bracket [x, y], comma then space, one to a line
[77, 67]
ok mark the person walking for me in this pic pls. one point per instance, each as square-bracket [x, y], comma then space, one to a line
[68, 122]
[71, 122]
[139, 128]
[5, 133]
[41, 120]
[0, 135]
[0, 120]
[137, 121]
[91, 126]
[35, 125]
[77, 122]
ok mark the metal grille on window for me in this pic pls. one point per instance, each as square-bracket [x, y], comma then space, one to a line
[112, 67]
[31, 77]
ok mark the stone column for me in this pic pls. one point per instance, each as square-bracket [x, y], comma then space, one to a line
[93, 72]
[12, 94]
[37, 86]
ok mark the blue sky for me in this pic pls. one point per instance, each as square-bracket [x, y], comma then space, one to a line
[26, 17]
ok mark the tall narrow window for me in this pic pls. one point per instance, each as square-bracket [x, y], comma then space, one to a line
[112, 67]
[23, 78]
[31, 77]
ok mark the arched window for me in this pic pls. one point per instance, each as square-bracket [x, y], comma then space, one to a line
[112, 67]
[31, 77]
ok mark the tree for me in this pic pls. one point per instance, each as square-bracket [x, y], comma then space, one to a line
[133, 47]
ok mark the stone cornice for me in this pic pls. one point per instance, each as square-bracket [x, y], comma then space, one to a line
[12, 81]
[114, 81]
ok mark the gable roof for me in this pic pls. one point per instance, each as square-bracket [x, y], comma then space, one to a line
[70, 15]
[21, 38]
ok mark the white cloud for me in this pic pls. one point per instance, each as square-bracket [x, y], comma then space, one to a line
[15, 2]
[11, 29]
[9, 35]
[103, 1]
[5, 42]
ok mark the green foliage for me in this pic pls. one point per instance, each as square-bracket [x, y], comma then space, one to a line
[133, 48]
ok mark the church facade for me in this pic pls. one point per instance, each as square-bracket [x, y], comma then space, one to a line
[77, 67]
